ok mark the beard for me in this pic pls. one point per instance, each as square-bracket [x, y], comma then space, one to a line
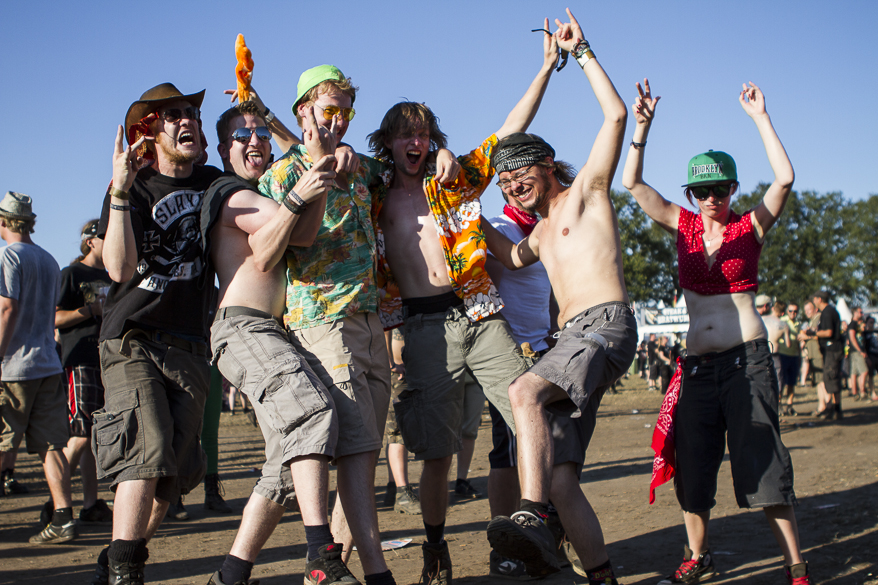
[175, 156]
[540, 191]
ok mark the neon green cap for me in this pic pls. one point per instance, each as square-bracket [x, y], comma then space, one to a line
[314, 77]
[711, 167]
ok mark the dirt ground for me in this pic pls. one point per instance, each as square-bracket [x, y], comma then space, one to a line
[836, 468]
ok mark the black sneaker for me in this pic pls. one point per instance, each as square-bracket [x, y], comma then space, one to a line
[390, 494]
[560, 536]
[100, 512]
[511, 569]
[126, 573]
[797, 574]
[408, 502]
[525, 536]
[102, 575]
[692, 570]
[52, 534]
[437, 564]
[217, 579]
[177, 511]
[464, 490]
[328, 568]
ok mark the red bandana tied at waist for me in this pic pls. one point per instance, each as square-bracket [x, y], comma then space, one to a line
[663, 435]
[526, 221]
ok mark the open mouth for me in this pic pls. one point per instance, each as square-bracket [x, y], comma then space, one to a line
[186, 138]
[414, 156]
[255, 158]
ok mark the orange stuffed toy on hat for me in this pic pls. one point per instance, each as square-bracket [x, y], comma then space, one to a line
[244, 69]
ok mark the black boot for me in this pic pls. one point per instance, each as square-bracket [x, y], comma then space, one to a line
[213, 499]
[122, 573]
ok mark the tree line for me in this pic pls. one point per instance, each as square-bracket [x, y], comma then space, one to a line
[821, 241]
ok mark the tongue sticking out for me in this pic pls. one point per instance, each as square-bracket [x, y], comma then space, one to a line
[255, 159]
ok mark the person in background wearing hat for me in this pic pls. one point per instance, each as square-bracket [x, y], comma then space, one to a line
[154, 332]
[252, 348]
[828, 334]
[331, 301]
[598, 337]
[728, 384]
[34, 404]
[447, 303]
[84, 286]
[777, 330]
[790, 359]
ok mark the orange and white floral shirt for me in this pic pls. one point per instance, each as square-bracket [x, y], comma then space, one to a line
[456, 210]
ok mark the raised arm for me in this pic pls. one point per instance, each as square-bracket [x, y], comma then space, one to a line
[524, 111]
[767, 212]
[510, 255]
[597, 174]
[662, 211]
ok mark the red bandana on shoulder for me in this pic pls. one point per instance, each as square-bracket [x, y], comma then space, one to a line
[526, 221]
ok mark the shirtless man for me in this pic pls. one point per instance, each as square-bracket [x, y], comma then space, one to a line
[598, 332]
[252, 348]
[435, 247]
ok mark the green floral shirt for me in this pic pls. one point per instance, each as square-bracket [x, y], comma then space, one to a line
[335, 277]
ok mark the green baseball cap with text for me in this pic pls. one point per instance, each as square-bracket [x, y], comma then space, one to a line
[710, 168]
[314, 77]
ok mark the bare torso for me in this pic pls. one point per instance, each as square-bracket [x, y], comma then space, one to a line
[240, 282]
[412, 245]
[721, 322]
[579, 246]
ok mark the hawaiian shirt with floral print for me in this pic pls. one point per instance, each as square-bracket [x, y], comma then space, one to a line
[335, 277]
[456, 212]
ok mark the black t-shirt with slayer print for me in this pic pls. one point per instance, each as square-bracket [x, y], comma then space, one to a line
[81, 285]
[171, 286]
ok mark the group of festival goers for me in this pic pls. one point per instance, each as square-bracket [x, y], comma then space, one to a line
[321, 252]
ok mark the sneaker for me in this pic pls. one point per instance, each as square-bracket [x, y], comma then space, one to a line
[100, 512]
[390, 494]
[126, 573]
[464, 490]
[213, 495]
[437, 564]
[47, 512]
[52, 534]
[177, 511]
[525, 536]
[504, 568]
[217, 579]
[797, 574]
[560, 536]
[692, 570]
[101, 575]
[328, 568]
[408, 502]
[12, 486]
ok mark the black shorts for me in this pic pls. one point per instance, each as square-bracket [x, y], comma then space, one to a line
[832, 373]
[732, 392]
[789, 369]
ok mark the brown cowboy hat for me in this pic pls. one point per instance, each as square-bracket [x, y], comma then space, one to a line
[155, 98]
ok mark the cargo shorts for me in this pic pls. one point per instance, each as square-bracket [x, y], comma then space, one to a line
[35, 410]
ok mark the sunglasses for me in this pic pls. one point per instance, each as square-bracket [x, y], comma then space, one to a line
[243, 135]
[172, 115]
[330, 111]
[703, 192]
[518, 177]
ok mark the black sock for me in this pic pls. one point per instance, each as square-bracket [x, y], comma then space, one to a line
[62, 516]
[600, 575]
[401, 488]
[385, 578]
[434, 533]
[103, 560]
[317, 536]
[235, 570]
[536, 508]
[128, 551]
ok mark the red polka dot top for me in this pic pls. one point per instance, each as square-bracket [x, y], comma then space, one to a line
[736, 266]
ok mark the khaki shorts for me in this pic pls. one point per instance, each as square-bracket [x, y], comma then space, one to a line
[440, 348]
[391, 429]
[294, 409]
[150, 426]
[35, 410]
[350, 358]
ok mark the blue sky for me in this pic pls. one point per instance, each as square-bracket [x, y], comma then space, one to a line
[70, 71]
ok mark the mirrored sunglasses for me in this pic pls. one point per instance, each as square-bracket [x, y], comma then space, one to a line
[243, 134]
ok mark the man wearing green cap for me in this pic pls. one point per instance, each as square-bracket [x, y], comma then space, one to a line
[331, 302]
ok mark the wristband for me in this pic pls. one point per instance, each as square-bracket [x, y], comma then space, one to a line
[268, 116]
[638, 144]
[294, 203]
[120, 207]
[582, 53]
[118, 194]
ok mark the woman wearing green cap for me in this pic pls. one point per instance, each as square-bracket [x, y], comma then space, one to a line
[727, 383]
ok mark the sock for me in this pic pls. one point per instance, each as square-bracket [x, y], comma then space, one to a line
[385, 578]
[103, 560]
[317, 536]
[434, 533]
[600, 575]
[536, 508]
[128, 551]
[236, 570]
[401, 488]
[62, 516]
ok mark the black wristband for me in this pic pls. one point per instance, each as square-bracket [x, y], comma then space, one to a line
[120, 207]
[294, 203]
[638, 144]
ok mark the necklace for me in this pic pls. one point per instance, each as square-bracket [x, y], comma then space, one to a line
[707, 242]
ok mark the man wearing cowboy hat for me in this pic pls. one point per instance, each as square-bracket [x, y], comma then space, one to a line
[154, 332]
[34, 402]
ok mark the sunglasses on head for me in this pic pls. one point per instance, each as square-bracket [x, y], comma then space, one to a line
[243, 134]
[703, 192]
[172, 115]
[330, 111]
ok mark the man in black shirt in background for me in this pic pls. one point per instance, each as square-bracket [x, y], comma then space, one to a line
[828, 333]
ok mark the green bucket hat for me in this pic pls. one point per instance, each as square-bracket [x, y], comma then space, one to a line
[314, 77]
[711, 167]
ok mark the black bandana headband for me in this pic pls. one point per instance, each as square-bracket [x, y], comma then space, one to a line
[520, 150]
